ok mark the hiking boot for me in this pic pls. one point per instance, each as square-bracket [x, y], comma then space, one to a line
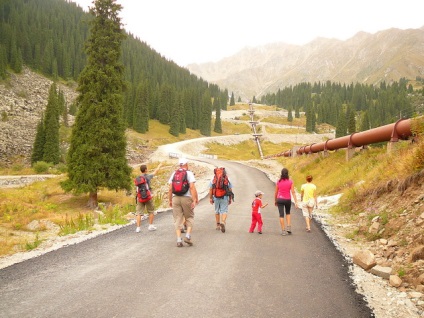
[218, 226]
[188, 241]
[179, 244]
[152, 227]
[137, 229]
[289, 230]
[222, 227]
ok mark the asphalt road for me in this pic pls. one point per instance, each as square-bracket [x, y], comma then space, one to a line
[232, 274]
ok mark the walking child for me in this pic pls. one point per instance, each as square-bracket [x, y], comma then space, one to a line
[256, 212]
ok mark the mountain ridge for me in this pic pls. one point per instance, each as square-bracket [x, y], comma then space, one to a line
[366, 58]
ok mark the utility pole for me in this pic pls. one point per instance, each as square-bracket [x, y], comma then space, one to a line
[255, 134]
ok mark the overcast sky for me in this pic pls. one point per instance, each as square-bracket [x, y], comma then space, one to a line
[196, 31]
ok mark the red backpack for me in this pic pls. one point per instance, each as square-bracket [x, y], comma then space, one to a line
[220, 183]
[180, 183]
[143, 190]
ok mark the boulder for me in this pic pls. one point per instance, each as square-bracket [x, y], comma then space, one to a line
[364, 259]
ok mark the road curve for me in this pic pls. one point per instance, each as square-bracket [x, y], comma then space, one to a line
[232, 274]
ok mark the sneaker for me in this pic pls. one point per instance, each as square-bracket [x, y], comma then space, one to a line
[188, 241]
[260, 232]
[284, 233]
[152, 227]
[137, 229]
[222, 227]
[218, 226]
[289, 229]
[179, 244]
[308, 230]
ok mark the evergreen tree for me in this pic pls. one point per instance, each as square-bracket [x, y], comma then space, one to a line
[223, 99]
[141, 109]
[232, 102]
[351, 121]
[3, 62]
[206, 114]
[341, 128]
[174, 127]
[96, 156]
[38, 147]
[239, 99]
[289, 115]
[365, 122]
[218, 125]
[51, 151]
[183, 126]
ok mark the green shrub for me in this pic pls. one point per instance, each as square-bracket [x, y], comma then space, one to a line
[41, 167]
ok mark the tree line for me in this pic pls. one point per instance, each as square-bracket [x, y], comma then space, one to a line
[49, 36]
[348, 107]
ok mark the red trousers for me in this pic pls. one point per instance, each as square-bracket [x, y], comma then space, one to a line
[256, 219]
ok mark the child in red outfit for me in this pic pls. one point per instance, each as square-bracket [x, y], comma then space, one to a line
[256, 212]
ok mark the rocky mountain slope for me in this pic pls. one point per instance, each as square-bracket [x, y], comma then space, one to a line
[365, 58]
[23, 99]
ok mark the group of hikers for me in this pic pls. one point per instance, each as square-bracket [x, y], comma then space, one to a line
[183, 198]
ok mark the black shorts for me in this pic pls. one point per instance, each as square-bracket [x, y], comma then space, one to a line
[284, 204]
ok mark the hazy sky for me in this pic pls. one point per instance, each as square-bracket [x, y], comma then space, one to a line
[196, 31]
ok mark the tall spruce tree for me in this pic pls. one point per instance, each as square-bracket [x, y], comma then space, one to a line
[51, 151]
[206, 114]
[232, 102]
[218, 125]
[38, 147]
[96, 157]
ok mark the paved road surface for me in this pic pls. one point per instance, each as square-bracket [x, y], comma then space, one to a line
[232, 274]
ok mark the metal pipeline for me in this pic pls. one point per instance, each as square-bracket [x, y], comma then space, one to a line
[392, 132]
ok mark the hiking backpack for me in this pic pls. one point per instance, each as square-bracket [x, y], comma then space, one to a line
[143, 190]
[220, 183]
[180, 183]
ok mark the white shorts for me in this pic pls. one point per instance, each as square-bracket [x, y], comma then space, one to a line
[306, 211]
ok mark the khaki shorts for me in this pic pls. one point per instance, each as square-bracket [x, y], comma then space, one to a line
[181, 210]
[143, 206]
[306, 210]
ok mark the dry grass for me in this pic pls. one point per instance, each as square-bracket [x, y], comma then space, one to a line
[297, 122]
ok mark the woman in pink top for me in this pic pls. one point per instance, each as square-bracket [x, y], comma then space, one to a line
[284, 191]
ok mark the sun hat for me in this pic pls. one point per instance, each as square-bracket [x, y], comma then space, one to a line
[258, 193]
[182, 161]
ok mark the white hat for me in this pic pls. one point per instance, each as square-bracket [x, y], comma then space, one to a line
[182, 161]
[258, 193]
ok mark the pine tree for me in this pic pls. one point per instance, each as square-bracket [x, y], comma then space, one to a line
[141, 110]
[351, 121]
[174, 125]
[38, 147]
[96, 157]
[206, 114]
[232, 102]
[218, 125]
[51, 151]
[341, 127]
[289, 115]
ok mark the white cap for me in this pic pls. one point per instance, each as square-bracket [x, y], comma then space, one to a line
[258, 193]
[182, 161]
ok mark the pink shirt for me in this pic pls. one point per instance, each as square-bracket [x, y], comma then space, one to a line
[284, 189]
